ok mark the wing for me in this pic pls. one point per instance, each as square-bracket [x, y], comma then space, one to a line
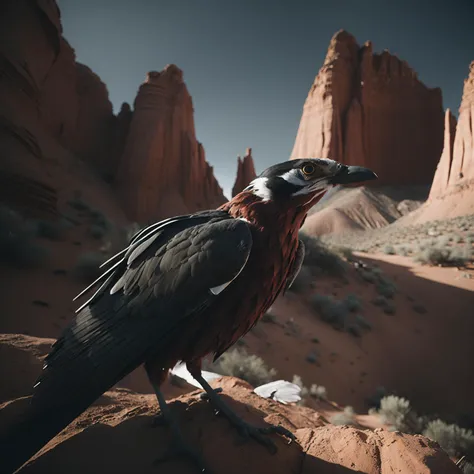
[296, 267]
[165, 275]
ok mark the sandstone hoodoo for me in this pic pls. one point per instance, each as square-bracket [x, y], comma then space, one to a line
[163, 170]
[368, 109]
[441, 178]
[245, 172]
[456, 166]
[452, 191]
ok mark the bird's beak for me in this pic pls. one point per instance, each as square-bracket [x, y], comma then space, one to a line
[352, 174]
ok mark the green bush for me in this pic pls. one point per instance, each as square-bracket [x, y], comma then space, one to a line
[456, 441]
[238, 363]
[447, 257]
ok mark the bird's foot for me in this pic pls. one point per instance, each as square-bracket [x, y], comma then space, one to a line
[205, 395]
[247, 430]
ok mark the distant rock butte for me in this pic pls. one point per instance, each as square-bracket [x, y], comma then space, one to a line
[371, 110]
[456, 166]
[245, 172]
[163, 170]
[56, 112]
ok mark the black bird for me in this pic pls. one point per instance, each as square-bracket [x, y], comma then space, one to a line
[184, 288]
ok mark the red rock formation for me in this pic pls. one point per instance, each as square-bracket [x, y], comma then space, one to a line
[441, 178]
[245, 172]
[452, 191]
[371, 109]
[462, 167]
[163, 170]
[45, 91]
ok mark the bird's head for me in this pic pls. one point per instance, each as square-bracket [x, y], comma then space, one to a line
[301, 182]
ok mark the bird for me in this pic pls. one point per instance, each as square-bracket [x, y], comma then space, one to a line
[184, 288]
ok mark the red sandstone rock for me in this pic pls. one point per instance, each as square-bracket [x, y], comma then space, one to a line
[123, 419]
[462, 169]
[44, 88]
[441, 178]
[371, 109]
[452, 191]
[163, 170]
[245, 172]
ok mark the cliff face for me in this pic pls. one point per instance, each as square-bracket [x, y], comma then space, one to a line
[371, 110]
[56, 113]
[441, 178]
[456, 166]
[452, 191]
[245, 172]
[163, 170]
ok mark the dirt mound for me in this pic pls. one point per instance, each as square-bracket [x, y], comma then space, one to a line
[115, 435]
[346, 209]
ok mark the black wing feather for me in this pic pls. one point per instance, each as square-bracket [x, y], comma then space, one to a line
[144, 300]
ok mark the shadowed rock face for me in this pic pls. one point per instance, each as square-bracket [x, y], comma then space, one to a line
[163, 170]
[371, 110]
[245, 172]
[54, 111]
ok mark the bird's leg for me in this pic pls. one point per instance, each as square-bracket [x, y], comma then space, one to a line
[244, 428]
[180, 448]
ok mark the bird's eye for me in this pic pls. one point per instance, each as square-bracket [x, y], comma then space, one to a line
[308, 169]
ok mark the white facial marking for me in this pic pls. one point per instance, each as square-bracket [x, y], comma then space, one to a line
[259, 187]
[244, 219]
[293, 177]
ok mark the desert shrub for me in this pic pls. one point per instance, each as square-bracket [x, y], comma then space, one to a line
[312, 358]
[352, 303]
[331, 311]
[448, 257]
[452, 438]
[78, 204]
[97, 231]
[297, 380]
[362, 322]
[389, 250]
[319, 256]
[346, 417]
[87, 266]
[368, 276]
[398, 414]
[403, 251]
[389, 308]
[354, 330]
[268, 317]
[238, 363]
[17, 241]
[386, 288]
[318, 391]
[379, 301]
[52, 230]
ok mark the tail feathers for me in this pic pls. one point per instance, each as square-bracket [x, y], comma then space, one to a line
[32, 433]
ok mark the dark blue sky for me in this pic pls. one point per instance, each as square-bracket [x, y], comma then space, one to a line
[249, 64]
